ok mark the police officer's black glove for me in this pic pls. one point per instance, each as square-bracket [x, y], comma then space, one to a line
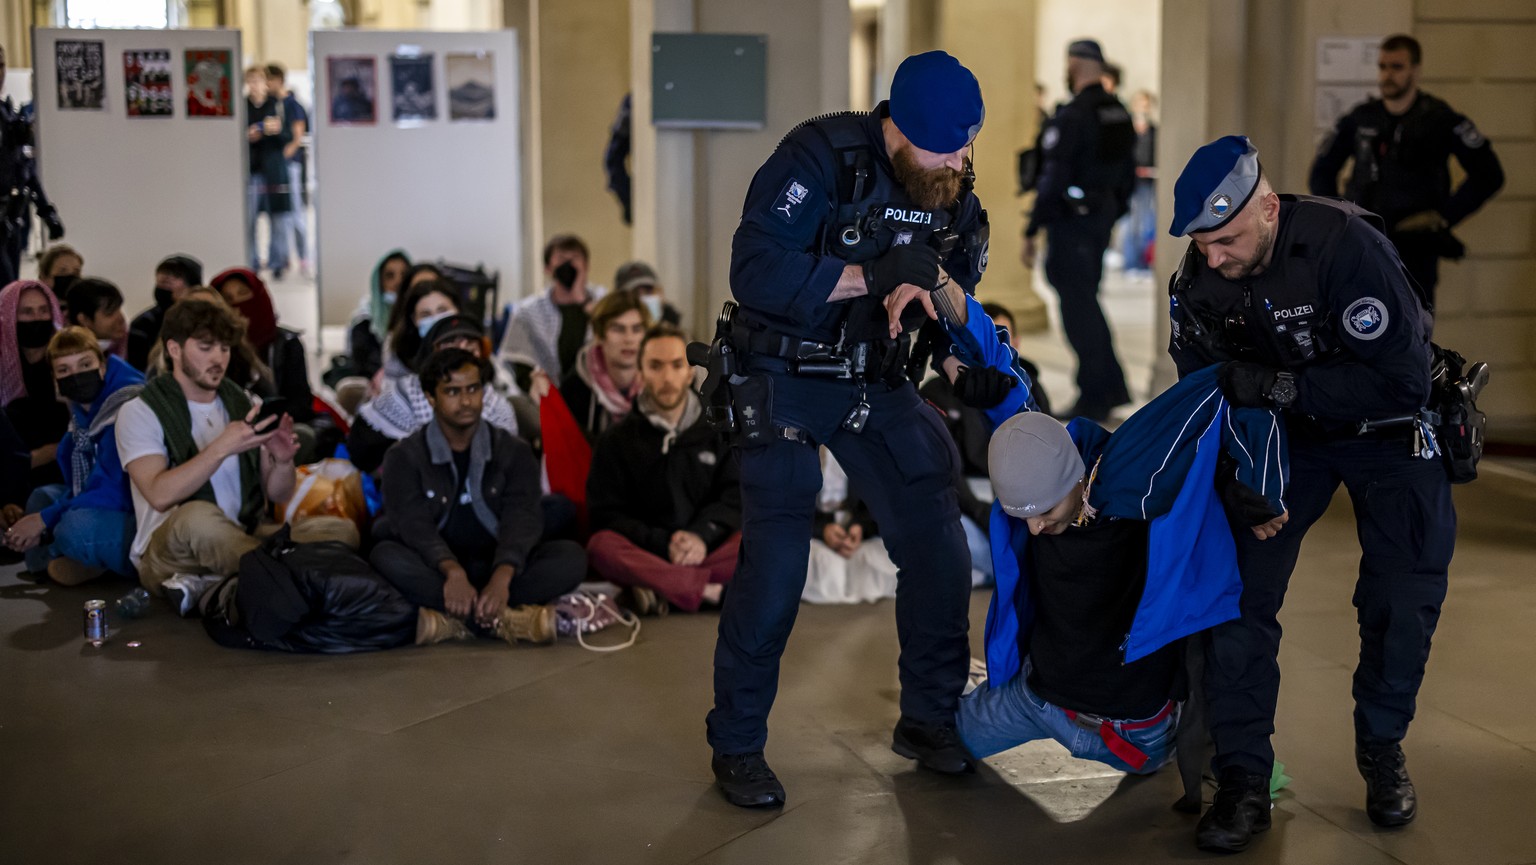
[1244, 505]
[55, 227]
[914, 263]
[1247, 385]
[982, 386]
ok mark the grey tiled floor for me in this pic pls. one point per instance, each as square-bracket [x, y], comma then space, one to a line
[181, 751]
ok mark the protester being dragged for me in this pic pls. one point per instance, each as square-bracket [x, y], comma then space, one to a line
[83, 528]
[601, 388]
[462, 518]
[29, 315]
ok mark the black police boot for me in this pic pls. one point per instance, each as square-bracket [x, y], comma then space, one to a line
[746, 780]
[1389, 796]
[1240, 809]
[934, 746]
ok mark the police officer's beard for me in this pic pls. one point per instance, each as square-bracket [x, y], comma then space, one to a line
[929, 189]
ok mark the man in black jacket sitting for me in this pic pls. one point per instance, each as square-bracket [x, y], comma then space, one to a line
[462, 517]
[664, 495]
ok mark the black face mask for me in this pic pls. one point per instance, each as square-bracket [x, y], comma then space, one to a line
[565, 274]
[34, 334]
[82, 387]
[164, 298]
[61, 284]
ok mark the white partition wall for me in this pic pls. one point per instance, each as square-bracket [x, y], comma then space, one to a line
[429, 172]
[132, 189]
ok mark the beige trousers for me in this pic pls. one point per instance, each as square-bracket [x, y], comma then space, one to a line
[198, 538]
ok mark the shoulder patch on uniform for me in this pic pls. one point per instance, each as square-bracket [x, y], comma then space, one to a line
[1466, 130]
[1366, 319]
[788, 204]
[1049, 139]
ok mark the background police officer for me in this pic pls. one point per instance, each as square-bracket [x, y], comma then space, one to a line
[1400, 144]
[20, 187]
[1087, 174]
[840, 232]
[1311, 311]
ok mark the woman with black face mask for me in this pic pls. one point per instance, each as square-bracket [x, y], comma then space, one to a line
[83, 528]
[29, 315]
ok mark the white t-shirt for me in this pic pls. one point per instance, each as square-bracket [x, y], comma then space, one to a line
[139, 434]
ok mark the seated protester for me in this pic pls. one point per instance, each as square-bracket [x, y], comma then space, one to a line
[405, 318]
[639, 279]
[29, 315]
[849, 563]
[97, 306]
[246, 368]
[462, 521]
[664, 495]
[1109, 550]
[90, 515]
[173, 277]
[280, 349]
[546, 332]
[405, 405]
[58, 268]
[204, 465]
[602, 385]
[15, 458]
[370, 323]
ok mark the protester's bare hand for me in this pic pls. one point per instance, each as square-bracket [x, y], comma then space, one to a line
[271, 125]
[539, 385]
[492, 600]
[1268, 530]
[836, 538]
[9, 514]
[459, 597]
[282, 444]
[25, 533]
[1027, 254]
[240, 436]
[686, 549]
[852, 539]
[897, 301]
[253, 132]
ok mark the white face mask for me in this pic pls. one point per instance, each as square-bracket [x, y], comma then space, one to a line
[105, 345]
[426, 324]
[652, 305]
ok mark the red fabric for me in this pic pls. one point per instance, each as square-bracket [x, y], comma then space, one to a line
[619, 560]
[11, 384]
[261, 318]
[1117, 745]
[321, 407]
[567, 455]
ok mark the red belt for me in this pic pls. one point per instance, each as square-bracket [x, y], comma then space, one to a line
[1130, 754]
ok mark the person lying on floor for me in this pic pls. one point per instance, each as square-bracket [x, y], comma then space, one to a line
[1109, 551]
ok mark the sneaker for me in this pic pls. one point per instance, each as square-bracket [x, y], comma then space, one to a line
[643, 601]
[1239, 811]
[1390, 799]
[185, 590]
[746, 781]
[935, 747]
[530, 623]
[435, 627]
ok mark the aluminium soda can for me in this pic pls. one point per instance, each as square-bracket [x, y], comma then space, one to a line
[96, 623]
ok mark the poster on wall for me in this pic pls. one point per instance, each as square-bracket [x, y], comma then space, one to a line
[147, 83]
[471, 86]
[353, 85]
[414, 97]
[210, 83]
[82, 74]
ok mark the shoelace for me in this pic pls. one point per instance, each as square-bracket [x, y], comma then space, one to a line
[1388, 768]
[755, 768]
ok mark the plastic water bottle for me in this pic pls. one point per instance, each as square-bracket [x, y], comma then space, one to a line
[134, 604]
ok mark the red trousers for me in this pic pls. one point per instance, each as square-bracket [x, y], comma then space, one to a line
[618, 560]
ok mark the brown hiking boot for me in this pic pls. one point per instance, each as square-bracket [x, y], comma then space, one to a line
[530, 623]
[435, 627]
[68, 572]
[642, 601]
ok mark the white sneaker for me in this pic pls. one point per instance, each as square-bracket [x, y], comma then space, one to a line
[185, 590]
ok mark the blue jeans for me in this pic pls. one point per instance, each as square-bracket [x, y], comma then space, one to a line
[992, 720]
[981, 549]
[277, 225]
[296, 217]
[1139, 226]
[95, 538]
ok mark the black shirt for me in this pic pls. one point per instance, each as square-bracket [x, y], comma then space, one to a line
[463, 532]
[573, 335]
[39, 418]
[1086, 584]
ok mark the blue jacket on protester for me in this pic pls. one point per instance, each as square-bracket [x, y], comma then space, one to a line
[1159, 466]
[106, 486]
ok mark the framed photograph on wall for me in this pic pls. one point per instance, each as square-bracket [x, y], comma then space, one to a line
[81, 66]
[353, 87]
[471, 78]
[414, 92]
[147, 83]
[210, 82]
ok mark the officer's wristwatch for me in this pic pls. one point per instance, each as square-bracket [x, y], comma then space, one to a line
[1283, 392]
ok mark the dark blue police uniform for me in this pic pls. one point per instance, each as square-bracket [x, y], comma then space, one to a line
[20, 190]
[1087, 174]
[802, 223]
[1336, 310]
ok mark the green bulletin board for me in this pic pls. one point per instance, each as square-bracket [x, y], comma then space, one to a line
[709, 80]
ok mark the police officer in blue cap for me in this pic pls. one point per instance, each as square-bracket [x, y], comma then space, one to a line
[1309, 309]
[1087, 171]
[847, 230]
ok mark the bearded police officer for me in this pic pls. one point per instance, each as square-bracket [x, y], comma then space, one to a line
[846, 230]
[1309, 309]
[1400, 145]
[1087, 173]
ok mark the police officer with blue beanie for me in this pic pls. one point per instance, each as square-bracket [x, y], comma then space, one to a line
[848, 229]
[1310, 310]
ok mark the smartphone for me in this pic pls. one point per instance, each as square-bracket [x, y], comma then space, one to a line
[275, 407]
